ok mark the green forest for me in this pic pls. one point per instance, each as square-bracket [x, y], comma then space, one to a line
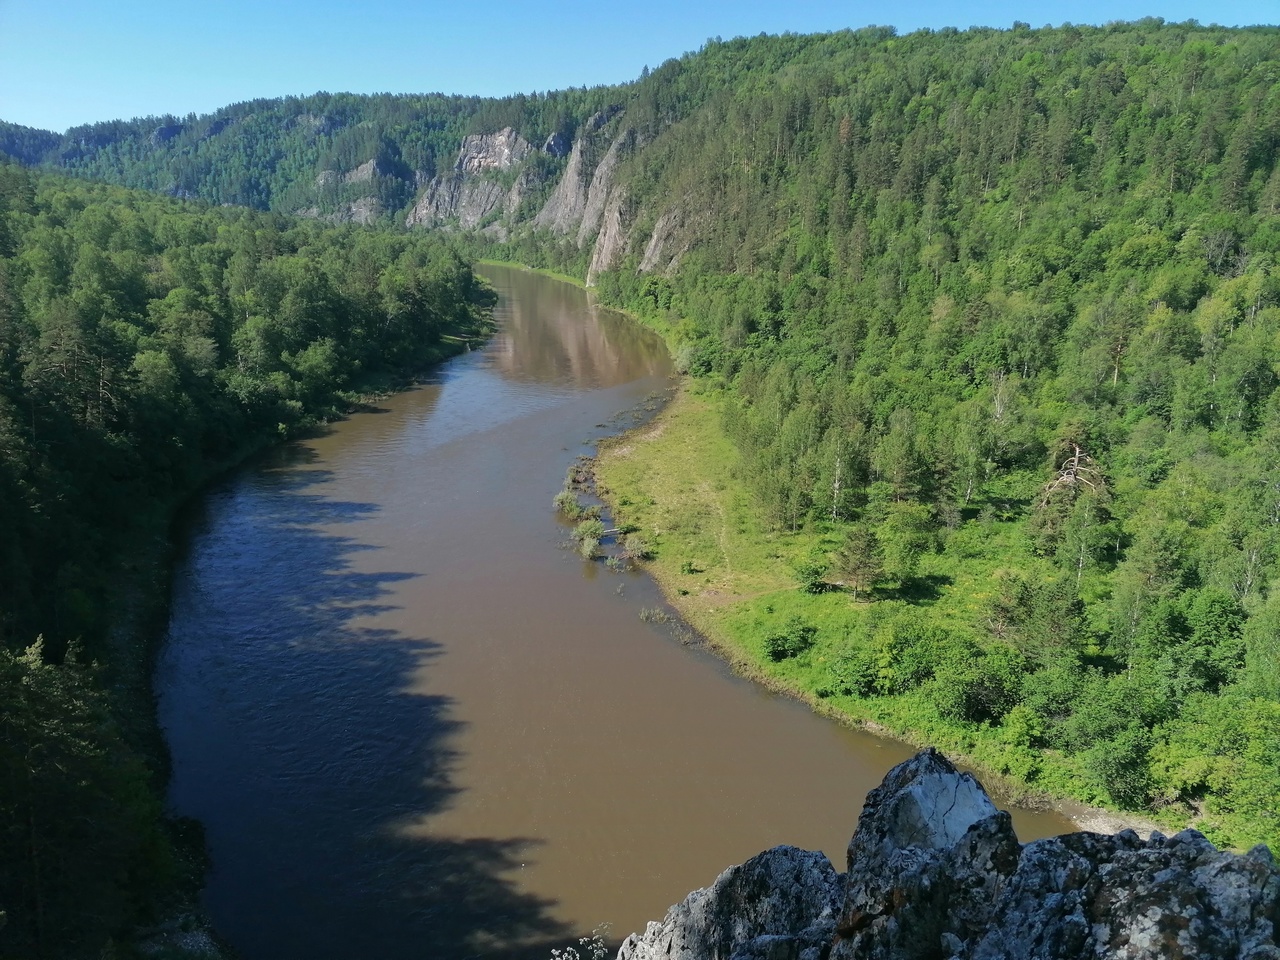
[1003, 304]
[993, 318]
[146, 343]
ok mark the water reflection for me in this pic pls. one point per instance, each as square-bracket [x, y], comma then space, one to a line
[554, 333]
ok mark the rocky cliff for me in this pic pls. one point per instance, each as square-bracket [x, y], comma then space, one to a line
[563, 211]
[474, 189]
[935, 872]
[588, 203]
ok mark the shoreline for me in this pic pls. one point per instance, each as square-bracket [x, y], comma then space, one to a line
[142, 577]
[718, 638]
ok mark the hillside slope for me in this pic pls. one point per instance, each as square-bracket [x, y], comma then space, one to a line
[993, 320]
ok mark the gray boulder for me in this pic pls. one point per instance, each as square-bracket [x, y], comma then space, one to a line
[935, 872]
[779, 905]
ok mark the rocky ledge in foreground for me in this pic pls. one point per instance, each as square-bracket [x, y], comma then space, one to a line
[936, 871]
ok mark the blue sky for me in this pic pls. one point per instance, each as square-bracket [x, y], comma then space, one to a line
[65, 63]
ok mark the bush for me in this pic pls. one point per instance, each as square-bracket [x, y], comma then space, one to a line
[794, 639]
[567, 503]
[810, 573]
[635, 547]
[853, 674]
[977, 687]
[590, 529]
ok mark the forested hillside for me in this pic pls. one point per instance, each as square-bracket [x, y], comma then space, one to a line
[997, 316]
[144, 343]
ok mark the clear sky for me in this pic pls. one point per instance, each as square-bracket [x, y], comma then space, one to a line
[65, 62]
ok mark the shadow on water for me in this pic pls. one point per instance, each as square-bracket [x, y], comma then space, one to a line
[300, 743]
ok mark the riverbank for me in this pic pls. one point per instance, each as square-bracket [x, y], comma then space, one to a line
[733, 578]
[140, 585]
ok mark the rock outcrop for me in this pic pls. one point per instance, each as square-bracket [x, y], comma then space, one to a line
[579, 202]
[455, 197]
[364, 173]
[611, 241]
[364, 211]
[557, 145]
[216, 128]
[491, 152]
[668, 242]
[165, 133]
[564, 208]
[469, 193]
[935, 871]
[784, 897]
[493, 185]
[601, 185]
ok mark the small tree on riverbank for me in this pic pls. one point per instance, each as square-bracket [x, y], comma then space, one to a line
[859, 561]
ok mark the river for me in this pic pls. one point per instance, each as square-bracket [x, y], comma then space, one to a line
[414, 725]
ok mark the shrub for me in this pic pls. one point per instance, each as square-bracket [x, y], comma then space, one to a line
[590, 529]
[794, 639]
[635, 547]
[975, 686]
[853, 674]
[567, 503]
[810, 573]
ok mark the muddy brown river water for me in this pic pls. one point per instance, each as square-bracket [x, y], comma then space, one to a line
[415, 726]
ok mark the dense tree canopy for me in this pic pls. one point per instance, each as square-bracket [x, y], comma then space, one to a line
[143, 343]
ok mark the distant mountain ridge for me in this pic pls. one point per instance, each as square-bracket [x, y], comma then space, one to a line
[292, 154]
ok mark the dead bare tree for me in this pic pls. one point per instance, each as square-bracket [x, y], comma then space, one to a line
[1076, 473]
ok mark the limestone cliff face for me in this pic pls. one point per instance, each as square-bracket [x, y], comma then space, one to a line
[601, 184]
[469, 194]
[935, 872]
[588, 202]
[611, 241]
[668, 242]
[491, 152]
[363, 173]
[557, 145]
[364, 211]
[562, 213]
[452, 197]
